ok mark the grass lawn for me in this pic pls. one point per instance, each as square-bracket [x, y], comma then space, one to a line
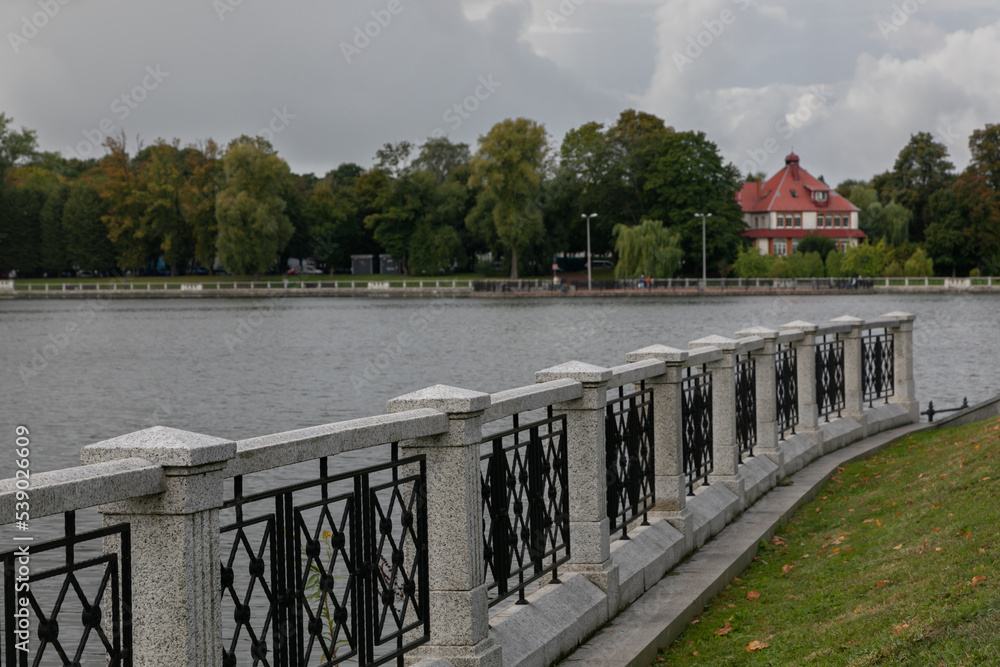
[894, 562]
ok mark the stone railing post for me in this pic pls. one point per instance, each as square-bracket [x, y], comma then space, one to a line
[805, 351]
[671, 483]
[904, 391]
[457, 571]
[176, 587]
[767, 396]
[589, 527]
[854, 391]
[726, 467]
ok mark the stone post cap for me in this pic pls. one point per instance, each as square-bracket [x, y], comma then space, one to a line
[665, 353]
[451, 400]
[848, 319]
[721, 342]
[759, 332]
[899, 315]
[575, 370]
[799, 325]
[168, 447]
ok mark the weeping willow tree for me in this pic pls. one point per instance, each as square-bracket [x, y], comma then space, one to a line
[648, 249]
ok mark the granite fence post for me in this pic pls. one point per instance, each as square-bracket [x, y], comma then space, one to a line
[767, 396]
[671, 482]
[457, 579]
[904, 391]
[589, 528]
[726, 465]
[176, 587]
[805, 350]
[854, 391]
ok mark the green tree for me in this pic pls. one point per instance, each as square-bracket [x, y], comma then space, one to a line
[690, 177]
[87, 242]
[16, 147]
[55, 253]
[509, 165]
[878, 221]
[833, 264]
[750, 263]
[865, 259]
[921, 169]
[813, 242]
[204, 178]
[253, 227]
[984, 145]
[119, 186]
[648, 249]
[966, 229]
[918, 265]
[161, 204]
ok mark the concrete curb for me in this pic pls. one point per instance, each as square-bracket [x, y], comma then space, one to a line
[659, 616]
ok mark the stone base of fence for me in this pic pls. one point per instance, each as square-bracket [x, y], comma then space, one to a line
[558, 618]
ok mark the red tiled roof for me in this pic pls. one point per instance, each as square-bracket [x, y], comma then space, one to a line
[777, 193]
[799, 233]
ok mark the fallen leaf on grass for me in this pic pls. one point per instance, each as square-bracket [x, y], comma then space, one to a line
[756, 646]
[785, 569]
[753, 595]
[726, 628]
[898, 546]
[878, 523]
[976, 580]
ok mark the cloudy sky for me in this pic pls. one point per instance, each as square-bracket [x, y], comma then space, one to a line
[844, 83]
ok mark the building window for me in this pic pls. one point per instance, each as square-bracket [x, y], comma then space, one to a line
[780, 247]
[829, 220]
[798, 220]
[836, 221]
[781, 220]
[795, 244]
[819, 196]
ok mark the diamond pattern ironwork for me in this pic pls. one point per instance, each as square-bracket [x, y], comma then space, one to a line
[629, 456]
[525, 506]
[746, 405]
[830, 377]
[696, 418]
[786, 389]
[878, 366]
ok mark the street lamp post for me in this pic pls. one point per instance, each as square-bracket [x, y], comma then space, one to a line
[590, 280]
[704, 269]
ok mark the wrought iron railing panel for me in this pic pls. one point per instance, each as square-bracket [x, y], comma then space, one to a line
[696, 418]
[786, 371]
[629, 454]
[746, 404]
[525, 486]
[329, 570]
[69, 606]
[830, 377]
[878, 366]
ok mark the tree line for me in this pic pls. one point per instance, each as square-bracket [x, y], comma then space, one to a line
[440, 206]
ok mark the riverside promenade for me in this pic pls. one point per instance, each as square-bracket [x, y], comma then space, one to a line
[396, 287]
[495, 529]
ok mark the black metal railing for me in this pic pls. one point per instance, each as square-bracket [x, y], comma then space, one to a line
[629, 454]
[332, 570]
[61, 617]
[696, 418]
[878, 370]
[830, 376]
[525, 483]
[786, 374]
[746, 404]
[930, 411]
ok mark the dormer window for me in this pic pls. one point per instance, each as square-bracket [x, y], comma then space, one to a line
[819, 196]
[794, 193]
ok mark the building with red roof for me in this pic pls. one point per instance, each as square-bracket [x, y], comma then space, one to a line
[792, 204]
